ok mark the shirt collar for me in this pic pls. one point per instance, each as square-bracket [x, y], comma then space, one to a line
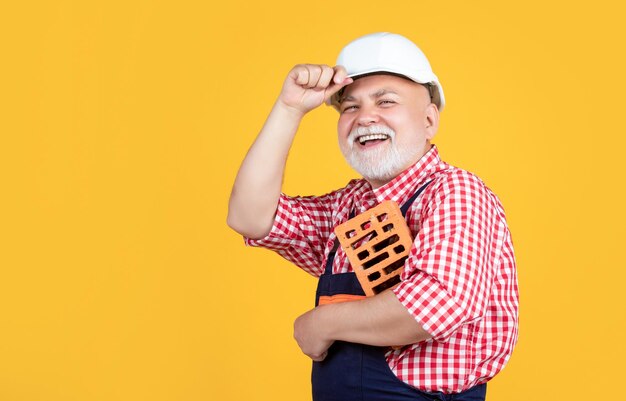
[406, 183]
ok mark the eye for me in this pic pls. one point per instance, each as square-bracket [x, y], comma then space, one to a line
[349, 108]
[386, 102]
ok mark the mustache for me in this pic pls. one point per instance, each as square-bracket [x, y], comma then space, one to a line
[369, 130]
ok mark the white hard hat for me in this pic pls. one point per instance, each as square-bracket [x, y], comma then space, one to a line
[393, 53]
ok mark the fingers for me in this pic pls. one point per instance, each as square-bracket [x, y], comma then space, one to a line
[310, 336]
[325, 77]
[319, 358]
[340, 79]
[318, 76]
[340, 75]
[302, 75]
[309, 85]
[312, 76]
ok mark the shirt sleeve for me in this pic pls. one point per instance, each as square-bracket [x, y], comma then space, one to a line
[448, 274]
[300, 230]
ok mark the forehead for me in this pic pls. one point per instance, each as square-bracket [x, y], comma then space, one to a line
[372, 84]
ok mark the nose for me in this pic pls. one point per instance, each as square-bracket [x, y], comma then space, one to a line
[367, 116]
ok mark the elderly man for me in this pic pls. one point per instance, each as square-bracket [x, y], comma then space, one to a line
[450, 325]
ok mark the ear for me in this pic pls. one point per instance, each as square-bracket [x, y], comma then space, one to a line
[431, 121]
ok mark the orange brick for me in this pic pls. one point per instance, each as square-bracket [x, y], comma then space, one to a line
[377, 243]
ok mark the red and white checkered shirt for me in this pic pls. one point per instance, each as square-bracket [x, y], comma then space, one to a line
[459, 281]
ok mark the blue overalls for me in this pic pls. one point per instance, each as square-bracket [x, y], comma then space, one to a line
[358, 372]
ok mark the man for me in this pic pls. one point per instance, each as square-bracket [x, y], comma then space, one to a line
[454, 314]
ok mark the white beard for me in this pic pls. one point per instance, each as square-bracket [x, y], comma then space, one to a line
[381, 163]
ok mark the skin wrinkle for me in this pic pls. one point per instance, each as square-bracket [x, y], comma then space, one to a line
[375, 95]
[395, 106]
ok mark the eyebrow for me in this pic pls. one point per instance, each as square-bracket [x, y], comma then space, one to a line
[377, 94]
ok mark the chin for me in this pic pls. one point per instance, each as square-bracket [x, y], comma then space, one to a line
[384, 171]
[380, 166]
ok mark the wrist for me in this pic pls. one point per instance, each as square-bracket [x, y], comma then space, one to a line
[329, 321]
[287, 111]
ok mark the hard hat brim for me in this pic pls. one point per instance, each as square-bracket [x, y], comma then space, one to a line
[426, 79]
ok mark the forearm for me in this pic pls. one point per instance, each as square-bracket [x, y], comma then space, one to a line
[380, 320]
[256, 190]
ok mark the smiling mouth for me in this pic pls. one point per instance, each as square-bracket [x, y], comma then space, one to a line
[364, 139]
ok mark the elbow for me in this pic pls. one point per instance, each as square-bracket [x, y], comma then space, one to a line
[232, 222]
[247, 229]
[237, 225]
[250, 220]
[234, 219]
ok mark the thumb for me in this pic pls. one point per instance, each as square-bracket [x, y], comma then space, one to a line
[336, 87]
[340, 80]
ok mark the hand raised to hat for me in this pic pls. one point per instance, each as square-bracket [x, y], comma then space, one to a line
[309, 85]
[257, 188]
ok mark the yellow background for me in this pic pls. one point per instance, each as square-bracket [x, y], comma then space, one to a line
[122, 125]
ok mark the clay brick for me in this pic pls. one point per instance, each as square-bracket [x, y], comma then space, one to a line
[377, 243]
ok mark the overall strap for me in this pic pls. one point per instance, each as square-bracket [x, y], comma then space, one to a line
[328, 269]
[405, 208]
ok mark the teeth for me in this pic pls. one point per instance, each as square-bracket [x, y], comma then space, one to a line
[371, 137]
